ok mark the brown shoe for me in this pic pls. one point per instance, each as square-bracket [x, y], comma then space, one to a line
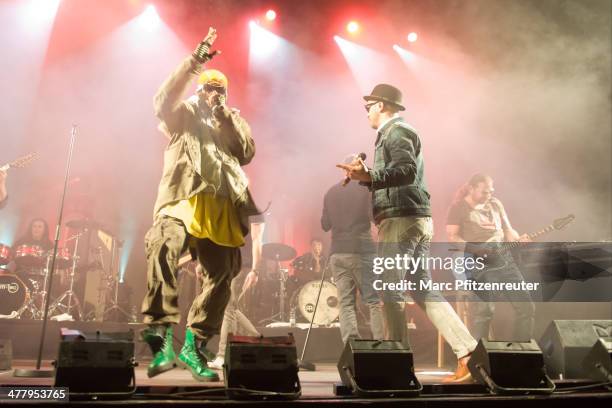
[462, 373]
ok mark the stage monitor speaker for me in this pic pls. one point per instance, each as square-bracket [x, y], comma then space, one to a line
[566, 343]
[261, 367]
[6, 354]
[507, 367]
[96, 364]
[598, 363]
[378, 368]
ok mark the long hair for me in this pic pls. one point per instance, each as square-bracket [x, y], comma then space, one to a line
[472, 182]
[45, 238]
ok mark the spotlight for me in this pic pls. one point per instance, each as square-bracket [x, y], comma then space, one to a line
[352, 27]
[252, 24]
[412, 37]
[270, 15]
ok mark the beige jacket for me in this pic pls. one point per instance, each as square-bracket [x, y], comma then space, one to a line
[202, 155]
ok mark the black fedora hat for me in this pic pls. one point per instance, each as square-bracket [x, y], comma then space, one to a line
[388, 94]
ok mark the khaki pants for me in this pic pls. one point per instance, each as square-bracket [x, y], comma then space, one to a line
[412, 236]
[164, 244]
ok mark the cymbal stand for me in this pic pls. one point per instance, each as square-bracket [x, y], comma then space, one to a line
[282, 276]
[36, 296]
[67, 308]
[114, 281]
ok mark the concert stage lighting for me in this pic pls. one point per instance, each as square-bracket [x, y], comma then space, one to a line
[149, 19]
[352, 27]
[270, 15]
[263, 42]
[412, 37]
[39, 12]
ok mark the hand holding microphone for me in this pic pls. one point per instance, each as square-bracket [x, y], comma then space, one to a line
[356, 170]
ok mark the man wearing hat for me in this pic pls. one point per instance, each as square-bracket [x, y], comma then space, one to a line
[203, 204]
[402, 212]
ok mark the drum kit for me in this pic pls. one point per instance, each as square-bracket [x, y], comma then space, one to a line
[23, 294]
[301, 303]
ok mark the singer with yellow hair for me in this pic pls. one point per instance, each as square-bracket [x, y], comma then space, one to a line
[203, 204]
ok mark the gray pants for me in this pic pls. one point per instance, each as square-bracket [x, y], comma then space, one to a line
[412, 236]
[164, 244]
[352, 272]
[482, 307]
[234, 321]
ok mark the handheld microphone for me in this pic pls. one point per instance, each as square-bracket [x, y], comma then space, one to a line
[361, 157]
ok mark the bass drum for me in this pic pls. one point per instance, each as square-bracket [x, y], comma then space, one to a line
[13, 295]
[305, 298]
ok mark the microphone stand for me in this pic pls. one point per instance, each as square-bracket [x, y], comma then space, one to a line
[303, 364]
[38, 372]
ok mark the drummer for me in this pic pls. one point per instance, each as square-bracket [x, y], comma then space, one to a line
[310, 265]
[36, 234]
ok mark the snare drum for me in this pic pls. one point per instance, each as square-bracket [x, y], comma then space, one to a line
[5, 254]
[328, 309]
[32, 256]
[13, 294]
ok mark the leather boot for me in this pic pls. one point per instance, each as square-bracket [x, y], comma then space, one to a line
[191, 358]
[159, 339]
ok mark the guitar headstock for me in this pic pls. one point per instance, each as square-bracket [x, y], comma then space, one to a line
[23, 161]
[561, 223]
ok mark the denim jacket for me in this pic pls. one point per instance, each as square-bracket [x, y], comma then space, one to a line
[398, 177]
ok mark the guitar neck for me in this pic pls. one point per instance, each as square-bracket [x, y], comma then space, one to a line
[532, 236]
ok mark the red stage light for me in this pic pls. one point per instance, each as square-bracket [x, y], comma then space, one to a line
[412, 37]
[352, 27]
[270, 15]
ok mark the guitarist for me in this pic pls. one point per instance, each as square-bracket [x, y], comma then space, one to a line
[477, 217]
[3, 192]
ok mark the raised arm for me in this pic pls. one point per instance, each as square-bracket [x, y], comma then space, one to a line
[168, 104]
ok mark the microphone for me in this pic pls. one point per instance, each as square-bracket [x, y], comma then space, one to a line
[361, 157]
[218, 102]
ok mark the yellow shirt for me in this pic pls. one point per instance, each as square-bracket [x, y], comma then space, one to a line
[206, 216]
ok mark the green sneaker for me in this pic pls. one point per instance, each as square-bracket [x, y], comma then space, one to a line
[190, 357]
[159, 339]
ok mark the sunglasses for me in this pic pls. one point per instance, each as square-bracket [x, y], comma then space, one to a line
[219, 89]
[369, 105]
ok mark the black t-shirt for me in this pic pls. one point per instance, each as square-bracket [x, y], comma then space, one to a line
[479, 225]
[347, 212]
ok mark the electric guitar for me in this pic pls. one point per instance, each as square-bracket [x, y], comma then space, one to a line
[496, 253]
[21, 162]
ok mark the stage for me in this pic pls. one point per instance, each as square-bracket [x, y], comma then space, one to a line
[178, 387]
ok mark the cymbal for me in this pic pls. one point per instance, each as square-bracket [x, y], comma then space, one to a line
[84, 223]
[275, 251]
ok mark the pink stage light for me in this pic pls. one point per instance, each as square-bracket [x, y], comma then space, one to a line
[412, 37]
[270, 15]
[352, 27]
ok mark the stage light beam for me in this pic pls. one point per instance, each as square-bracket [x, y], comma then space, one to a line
[263, 42]
[149, 19]
[412, 37]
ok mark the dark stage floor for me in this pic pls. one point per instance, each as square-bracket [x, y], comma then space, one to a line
[178, 387]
